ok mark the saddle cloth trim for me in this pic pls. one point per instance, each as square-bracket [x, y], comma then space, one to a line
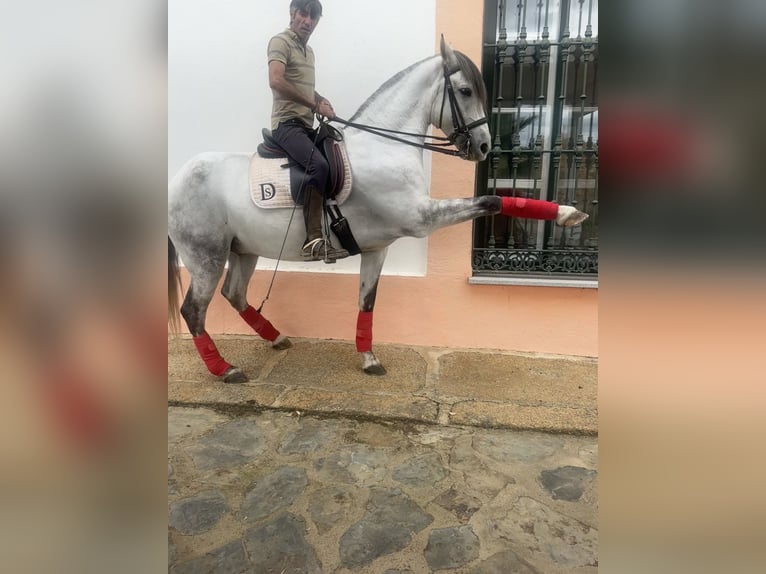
[270, 182]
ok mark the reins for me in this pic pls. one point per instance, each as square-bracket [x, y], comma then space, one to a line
[461, 129]
[384, 133]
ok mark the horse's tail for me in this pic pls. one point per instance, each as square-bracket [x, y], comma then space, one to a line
[173, 287]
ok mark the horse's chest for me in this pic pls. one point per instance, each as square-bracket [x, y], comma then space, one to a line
[385, 176]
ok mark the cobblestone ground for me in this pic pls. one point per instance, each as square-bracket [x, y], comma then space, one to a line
[279, 493]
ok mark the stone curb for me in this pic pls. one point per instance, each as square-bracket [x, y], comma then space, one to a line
[464, 387]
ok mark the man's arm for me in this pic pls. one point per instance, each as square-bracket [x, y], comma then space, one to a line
[277, 82]
[324, 107]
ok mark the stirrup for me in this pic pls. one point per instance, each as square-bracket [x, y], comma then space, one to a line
[320, 250]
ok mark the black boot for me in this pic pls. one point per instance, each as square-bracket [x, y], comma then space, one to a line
[316, 248]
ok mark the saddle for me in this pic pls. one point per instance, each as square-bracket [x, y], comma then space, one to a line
[275, 183]
[328, 144]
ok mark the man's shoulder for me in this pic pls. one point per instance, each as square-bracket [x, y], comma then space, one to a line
[280, 47]
[284, 37]
[284, 34]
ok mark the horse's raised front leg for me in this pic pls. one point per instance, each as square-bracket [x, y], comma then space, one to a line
[439, 213]
[369, 274]
[234, 289]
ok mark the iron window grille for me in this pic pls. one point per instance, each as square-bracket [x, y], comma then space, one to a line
[540, 65]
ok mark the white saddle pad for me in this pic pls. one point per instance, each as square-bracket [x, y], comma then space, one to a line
[270, 183]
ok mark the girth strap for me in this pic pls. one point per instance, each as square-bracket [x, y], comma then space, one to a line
[341, 228]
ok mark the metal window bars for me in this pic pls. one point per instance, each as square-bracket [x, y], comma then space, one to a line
[545, 135]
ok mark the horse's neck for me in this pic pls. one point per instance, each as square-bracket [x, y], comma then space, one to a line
[404, 103]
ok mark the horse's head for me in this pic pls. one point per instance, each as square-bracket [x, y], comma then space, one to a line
[460, 109]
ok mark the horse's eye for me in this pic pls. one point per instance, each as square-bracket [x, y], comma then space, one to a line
[466, 92]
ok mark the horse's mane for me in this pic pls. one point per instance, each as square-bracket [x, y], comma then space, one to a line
[467, 67]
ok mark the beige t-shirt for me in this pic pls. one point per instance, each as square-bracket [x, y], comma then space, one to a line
[298, 59]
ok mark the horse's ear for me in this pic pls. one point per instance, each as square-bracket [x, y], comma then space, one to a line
[448, 55]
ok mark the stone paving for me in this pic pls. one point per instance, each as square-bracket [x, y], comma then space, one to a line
[280, 492]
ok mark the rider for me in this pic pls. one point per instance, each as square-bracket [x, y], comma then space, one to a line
[291, 78]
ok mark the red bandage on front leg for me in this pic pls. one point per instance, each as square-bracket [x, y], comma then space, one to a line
[529, 208]
[364, 331]
[210, 355]
[259, 323]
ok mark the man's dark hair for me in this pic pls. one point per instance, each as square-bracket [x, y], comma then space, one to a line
[312, 7]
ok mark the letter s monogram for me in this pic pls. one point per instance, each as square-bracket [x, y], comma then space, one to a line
[268, 191]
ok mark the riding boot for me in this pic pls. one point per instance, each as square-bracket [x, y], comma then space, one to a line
[316, 247]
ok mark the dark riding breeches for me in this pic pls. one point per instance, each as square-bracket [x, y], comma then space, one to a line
[298, 141]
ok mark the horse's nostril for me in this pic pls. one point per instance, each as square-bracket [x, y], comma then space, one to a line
[484, 148]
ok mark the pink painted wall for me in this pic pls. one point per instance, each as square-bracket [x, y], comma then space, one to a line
[441, 309]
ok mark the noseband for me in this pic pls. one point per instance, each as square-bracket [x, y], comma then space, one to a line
[462, 131]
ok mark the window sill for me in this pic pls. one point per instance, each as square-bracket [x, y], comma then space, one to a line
[533, 281]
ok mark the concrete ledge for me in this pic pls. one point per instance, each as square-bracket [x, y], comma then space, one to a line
[530, 417]
[384, 406]
[533, 281]
[481, 387]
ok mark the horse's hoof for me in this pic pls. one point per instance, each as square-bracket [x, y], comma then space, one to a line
[377, 370]
[569, 216]
[281, 343]
[234, 376]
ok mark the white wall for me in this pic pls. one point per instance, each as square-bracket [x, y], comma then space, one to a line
[218, 94]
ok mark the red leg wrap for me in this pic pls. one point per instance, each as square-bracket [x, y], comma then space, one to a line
[259, 323]
[209, 353]
[364, 331]
[529, 208]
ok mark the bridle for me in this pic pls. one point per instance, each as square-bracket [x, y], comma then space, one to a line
[460, 136]
[462, 132]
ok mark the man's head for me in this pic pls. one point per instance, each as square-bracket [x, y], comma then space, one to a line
[304, 17]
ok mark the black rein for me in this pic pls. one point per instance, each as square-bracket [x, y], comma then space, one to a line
[437, 147]
[461, 129]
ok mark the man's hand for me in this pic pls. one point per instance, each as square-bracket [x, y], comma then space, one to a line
[324, 108]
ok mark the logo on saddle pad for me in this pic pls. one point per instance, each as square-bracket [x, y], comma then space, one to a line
[268, 191]
[270, 180]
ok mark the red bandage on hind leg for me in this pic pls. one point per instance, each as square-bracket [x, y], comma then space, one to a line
[364, 331]
[210, 355]
[529, 208]
[259, 323]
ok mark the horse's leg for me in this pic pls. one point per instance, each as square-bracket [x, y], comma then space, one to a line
[438, 213]
[238, 276]
[369, 274]
[205, 272]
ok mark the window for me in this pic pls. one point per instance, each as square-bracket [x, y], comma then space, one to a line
[540, 65]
